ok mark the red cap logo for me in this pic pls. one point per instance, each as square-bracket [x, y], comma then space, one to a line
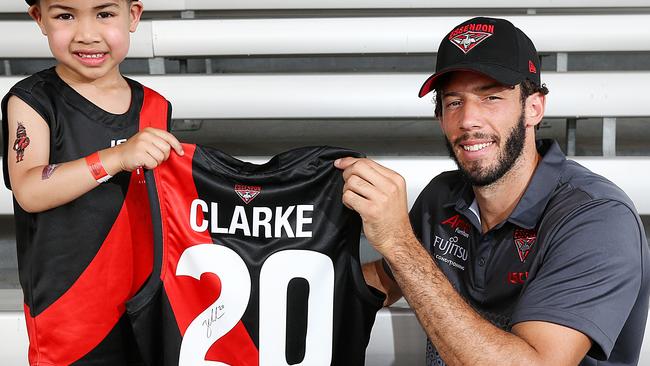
[469, 36]
[531, 67]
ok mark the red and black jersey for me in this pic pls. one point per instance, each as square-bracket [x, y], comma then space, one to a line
[80, 262]
[254, 264]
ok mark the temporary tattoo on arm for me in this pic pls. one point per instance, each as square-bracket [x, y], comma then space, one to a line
[21, 143]
[48, 171]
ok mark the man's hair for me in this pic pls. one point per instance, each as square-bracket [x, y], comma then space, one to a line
[526, 88]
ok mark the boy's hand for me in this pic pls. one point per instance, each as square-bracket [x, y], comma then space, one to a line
[147, 149]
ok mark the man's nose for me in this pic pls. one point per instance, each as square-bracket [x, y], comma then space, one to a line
[471, 115]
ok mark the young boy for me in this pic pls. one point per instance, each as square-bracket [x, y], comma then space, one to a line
[84, 247]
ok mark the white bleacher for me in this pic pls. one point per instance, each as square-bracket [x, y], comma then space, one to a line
[562, 27]
[371, 95]
[282, 36]
[181, 5]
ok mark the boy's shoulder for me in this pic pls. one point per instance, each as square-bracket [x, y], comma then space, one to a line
[43, 77]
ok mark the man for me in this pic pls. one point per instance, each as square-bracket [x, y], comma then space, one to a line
[520, 257]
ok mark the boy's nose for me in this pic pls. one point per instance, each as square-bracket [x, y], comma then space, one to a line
[86, 32]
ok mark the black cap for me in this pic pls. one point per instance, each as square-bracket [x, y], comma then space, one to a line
[493, 47]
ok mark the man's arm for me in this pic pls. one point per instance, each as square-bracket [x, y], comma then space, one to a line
[461, 335]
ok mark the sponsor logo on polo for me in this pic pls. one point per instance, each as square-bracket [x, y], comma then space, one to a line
[247, 193]
[471, 35]
[517, 278]
[449, 251]
[460, 226]
[524, 240]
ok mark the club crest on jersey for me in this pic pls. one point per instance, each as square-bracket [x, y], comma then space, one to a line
[470, 36]
[247, 193]
[524, 240]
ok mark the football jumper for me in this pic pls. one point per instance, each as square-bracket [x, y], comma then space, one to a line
[80, 262]
[258, 264]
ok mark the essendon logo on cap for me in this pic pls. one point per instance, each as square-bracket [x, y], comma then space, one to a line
[469, 36]
[531, 67]
[524, 241]
[247, 193]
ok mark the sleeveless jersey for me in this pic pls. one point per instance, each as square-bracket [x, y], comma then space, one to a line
[254, 264]
[80, 262]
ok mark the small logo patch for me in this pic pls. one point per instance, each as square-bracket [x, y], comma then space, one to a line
[459, 225]
[469, 36]
[524, 241]
[247, 193]
[531, 67]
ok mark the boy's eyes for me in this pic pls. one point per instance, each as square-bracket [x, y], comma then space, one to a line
[64, 16]
[68, 16]
[104, 15]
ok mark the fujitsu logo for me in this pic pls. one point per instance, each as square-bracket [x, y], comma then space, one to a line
[247, 193]
[460, 226]
[524, 240]
[471, 35]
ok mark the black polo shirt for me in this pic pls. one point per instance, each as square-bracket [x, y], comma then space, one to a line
[573, 252]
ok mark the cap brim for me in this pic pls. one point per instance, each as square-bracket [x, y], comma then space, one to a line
[501, 74]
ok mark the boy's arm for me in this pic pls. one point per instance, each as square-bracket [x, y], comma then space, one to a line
[39, 186]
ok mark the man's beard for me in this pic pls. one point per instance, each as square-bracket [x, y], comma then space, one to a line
[481, 177]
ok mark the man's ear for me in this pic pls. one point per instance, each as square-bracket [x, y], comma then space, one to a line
[534, 109]
[34, 11]
[135, 12]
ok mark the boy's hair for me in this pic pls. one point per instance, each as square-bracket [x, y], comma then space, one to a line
[32, 2]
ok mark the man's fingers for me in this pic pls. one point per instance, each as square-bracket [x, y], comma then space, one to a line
[361, 187]
[344, 163]
[354, 201]
[364, 170]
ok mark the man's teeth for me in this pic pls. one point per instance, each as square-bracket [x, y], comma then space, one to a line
[91, 55]
[476, 147]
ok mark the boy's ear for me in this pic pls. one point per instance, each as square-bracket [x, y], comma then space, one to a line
[34, 11]
[135, 11]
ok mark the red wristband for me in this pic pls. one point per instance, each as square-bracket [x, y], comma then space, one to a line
[97, 168]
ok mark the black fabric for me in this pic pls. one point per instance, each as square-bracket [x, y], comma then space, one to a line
[573, 252]
[303, 176]
[491, 46]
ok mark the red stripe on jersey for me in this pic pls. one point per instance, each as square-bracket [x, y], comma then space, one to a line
[187, 296]
[82, 317]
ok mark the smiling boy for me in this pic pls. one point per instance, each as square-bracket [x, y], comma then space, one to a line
[82, 219]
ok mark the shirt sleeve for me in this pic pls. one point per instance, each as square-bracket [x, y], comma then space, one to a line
[589, 275]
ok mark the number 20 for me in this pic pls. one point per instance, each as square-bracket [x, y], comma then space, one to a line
[278, 269]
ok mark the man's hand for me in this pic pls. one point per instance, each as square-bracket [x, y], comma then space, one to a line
[378, 194]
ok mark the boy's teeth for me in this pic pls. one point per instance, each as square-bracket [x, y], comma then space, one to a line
[93, 55]
[476, 147]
